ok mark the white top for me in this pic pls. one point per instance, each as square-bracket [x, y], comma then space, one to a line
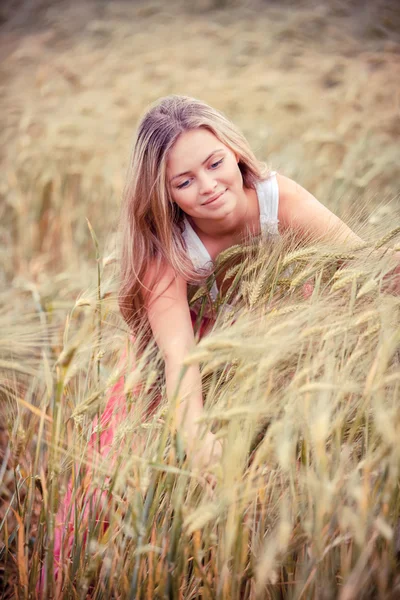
[268, 200]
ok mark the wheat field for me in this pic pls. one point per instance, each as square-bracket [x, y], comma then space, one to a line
[303, 392]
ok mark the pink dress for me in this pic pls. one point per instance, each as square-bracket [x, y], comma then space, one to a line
[76, 509]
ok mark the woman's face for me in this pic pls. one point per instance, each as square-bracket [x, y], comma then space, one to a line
[203, 175]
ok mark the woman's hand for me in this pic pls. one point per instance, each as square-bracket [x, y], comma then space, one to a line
[206, 453]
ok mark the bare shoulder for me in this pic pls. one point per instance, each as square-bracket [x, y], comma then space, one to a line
[288, 186]
[300, 211]
[292, 199]
[168, 309]
[161, 280]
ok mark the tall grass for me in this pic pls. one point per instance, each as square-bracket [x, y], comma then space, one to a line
[303, 393]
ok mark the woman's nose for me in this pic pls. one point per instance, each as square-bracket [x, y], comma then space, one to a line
[207, 183]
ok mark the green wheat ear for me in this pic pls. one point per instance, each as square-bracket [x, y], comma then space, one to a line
[200, 293]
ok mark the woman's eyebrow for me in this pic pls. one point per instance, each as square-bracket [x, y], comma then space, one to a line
[204, 161]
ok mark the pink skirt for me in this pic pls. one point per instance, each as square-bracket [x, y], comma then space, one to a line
[83, 500]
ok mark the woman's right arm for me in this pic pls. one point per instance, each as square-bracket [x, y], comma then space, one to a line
[171, 324]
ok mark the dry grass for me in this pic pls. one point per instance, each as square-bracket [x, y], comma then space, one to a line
[304, 393]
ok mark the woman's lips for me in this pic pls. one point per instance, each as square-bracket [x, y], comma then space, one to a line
[214, 198]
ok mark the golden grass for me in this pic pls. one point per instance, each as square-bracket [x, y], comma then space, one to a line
[304, 395]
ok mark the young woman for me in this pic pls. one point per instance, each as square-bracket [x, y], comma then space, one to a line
[194, 189]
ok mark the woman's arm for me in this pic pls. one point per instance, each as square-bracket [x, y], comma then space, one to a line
[171, 324]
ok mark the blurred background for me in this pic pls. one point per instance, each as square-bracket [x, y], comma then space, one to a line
[313, 85]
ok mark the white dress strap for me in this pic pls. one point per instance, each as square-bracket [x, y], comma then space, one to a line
[268, 198]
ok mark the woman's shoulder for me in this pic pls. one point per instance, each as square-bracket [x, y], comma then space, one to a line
[160, 277]
[286, 185]
[291, 197]
[167, 306]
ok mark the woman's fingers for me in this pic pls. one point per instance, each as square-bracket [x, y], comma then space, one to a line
[206, 460]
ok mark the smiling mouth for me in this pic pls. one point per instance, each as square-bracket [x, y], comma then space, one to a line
[214, 198]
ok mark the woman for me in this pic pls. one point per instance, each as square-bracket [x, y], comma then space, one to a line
[194, 189]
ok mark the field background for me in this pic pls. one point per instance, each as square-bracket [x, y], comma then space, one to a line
[313, 85]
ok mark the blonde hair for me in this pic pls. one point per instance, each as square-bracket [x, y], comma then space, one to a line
[151, 223]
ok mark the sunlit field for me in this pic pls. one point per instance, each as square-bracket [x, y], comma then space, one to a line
[304, 390]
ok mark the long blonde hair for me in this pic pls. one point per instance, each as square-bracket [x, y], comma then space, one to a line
[151, 223]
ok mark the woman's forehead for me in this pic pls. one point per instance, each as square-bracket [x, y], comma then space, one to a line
[191, 149]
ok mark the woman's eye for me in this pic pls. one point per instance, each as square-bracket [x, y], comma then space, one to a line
[181, 186]
[216, 164]
[186, 183]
